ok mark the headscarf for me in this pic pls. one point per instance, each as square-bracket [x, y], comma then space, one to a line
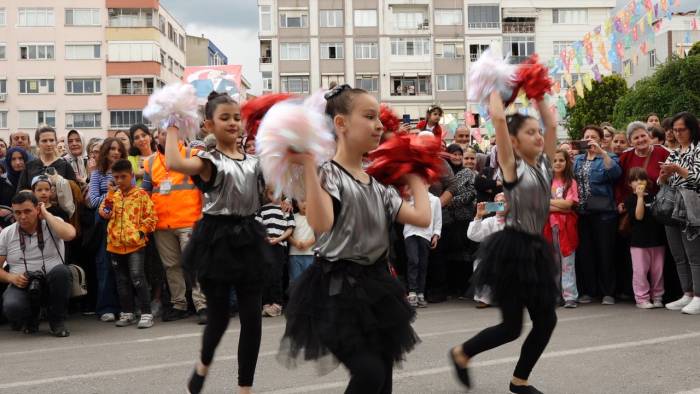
[452, 149]
[77, 162]
[12, 175]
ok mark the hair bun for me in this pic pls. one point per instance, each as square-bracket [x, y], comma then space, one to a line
[214, 94]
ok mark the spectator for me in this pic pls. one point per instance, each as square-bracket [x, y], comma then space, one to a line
[93, 154]
[279, 226]
[107, 305]
[48, 157]
[432, 121]
[76, 156]
[462, 136]
[620, 143]
[61, 148]
[671, 142]
[33, 249]
[682, 171]
[469, 159]
[43, 189]
[20, 139]
[653, 120]
[658, 136]
[250, 146]
[455, 157]
[647, 243]
[15, 162]
[487, 183]
[178, 204]
[608, 135]
[131, 217]
[596, 172]
[418, 243]
[301, 254]
[3, 149]
[143, 147]
[569, 148]
[644, 154]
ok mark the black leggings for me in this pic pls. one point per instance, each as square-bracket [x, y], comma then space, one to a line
[249, 306]
[370, 373]
[544, 319]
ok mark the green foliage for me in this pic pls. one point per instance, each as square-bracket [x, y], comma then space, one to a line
[695, 49]
[596, 106]
[673, 88]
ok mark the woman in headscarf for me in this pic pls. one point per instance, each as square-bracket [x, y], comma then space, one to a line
[76, 157]
[15, 162]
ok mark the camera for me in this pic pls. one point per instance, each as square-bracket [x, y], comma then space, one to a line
[50, 171]
[36, 285]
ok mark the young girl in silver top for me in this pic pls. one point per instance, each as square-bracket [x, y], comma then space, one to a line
[228, 247]
[347, 304]
[517, 263]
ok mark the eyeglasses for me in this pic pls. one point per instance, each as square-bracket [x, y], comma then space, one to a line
[680, 130]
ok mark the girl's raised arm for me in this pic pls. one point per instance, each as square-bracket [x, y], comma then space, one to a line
[174, 161]
[550, 128]
[506, 157]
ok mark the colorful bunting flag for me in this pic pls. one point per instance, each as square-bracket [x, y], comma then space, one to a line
[664, 5]
[596, 73]
[587, 81]
[579, 88]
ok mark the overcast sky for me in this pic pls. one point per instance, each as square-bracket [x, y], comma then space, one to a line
[233, 26]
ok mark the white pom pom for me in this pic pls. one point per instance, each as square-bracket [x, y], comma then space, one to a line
[294, 126]
[175, 104]
[491, 73]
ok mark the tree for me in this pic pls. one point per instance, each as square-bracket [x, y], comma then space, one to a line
[695, 49]
[673, 88]
[597, 104]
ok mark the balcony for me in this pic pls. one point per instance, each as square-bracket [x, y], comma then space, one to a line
[136, 91]
[265, 51]
[484, 25]
[265, 60]
[518, 27]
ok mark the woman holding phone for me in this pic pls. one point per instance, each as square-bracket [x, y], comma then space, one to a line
[596, 172]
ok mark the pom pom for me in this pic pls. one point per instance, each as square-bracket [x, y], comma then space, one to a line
[254, 110]
[533, 79]
[406, 154]
[293, 126]
[174, 105]
[492, 74]
[389, 119]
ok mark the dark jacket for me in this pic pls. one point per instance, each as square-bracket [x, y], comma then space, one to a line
[36, 167]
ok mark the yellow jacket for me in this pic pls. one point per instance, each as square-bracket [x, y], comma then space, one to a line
[133, 216]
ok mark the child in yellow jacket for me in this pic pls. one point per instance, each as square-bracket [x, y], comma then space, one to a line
[131, 216]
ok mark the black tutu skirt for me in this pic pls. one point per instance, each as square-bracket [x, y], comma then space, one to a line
[229, 249]
[337, 309]
[517, 265]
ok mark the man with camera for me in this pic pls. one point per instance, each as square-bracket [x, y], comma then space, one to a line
[33, 249]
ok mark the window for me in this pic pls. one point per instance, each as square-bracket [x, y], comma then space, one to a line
[3, 86]
[83, 120]
[171, 32]
[518, 47]
[366, 50]
[565, 83]
[82, 16]
[181, 42]
[36, 86]
[130, 17]
[331, 18]
[265, 18]
[407, 20]
[627, 68]
[410, 46]
[411, 86]
[124, 119]
[295, 84]
[3, 119]
[448, 17]
[449, 50]
[484, 17]
[475, 51]
[3, 51]
[652, 58]
[83, 86]
[559, 46]
[296, 19]
[35, 17]
[139, 51]
[170, 63]
[332, 50]
[36, 51]
[326, 80]
[82, 51]
[294, 51]
[570, 16]
[365, 18]
[3, 21]
[161, 24]
[369, 83]
[33, 119]
[450, 82]
[267, 80]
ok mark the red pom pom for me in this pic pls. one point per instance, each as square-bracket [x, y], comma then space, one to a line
[406, 154]
[254, 110]
[389, 119]
[533, 78]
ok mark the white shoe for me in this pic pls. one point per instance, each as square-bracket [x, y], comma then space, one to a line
[679, 303]
[125, 319]
[693, 308]
[146, 321]
[658, 303]
[645, 305]
[107, 317]
[413, 299]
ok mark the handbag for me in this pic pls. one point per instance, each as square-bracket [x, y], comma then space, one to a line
[79, 284]
[687, 208]
[664, 205]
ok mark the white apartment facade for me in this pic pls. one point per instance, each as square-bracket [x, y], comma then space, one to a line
[409, 53]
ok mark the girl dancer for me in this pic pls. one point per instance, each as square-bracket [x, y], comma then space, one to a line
[347, 304]
[227, 247]
[517, 263]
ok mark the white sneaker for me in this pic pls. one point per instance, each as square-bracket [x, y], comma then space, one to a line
[125, 319]
[679, 303]
[146, 321]
[422, 303]
[645, 305]
[693, 308]
[413, 299]
[107, 317]
[658, 303]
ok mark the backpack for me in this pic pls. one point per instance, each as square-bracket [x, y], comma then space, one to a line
[79, 285]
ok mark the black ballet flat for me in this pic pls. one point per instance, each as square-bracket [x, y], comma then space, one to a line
[196, 382]
[524, 389]
[462, 373]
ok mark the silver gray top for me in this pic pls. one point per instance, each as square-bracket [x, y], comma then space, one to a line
[528, 197]
[363, 214]
[235, 187]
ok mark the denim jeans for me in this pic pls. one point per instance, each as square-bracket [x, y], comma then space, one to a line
[298, 264]
[417, 253]
[107, 300]
[18, 308]
[131, 278]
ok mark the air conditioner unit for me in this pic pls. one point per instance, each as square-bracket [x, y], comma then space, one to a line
[3, 97]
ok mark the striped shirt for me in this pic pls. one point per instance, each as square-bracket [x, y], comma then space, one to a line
[275, 221]
[689, 160]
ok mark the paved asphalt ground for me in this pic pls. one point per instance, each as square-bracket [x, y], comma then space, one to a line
[595, 349]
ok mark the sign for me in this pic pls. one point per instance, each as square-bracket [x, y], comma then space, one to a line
[206, 79]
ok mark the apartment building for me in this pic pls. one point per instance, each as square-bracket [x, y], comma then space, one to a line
[201, 51]
[410, 53]
[83, 64]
